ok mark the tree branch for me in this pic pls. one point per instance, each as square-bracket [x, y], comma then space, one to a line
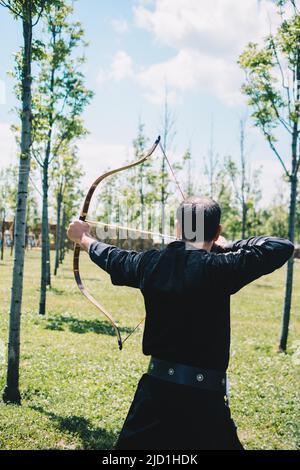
[36, 157]
[296, 10]
[298, 161]
[4, 4]
[282, 76]
[267, 135]
[34, 185]
[40, 13]
[269, 139]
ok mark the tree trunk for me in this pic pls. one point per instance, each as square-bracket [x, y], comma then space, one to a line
[292, 220]
[163, 199]
[12, 237]
[290, 270]
[45, 219]
[11, 392]
[142, 204]
[45, 243]
[48, 264]
[244, 220]
[26, 237]
[62, 237]
[58, 233]
[3, 237]
[243, 177]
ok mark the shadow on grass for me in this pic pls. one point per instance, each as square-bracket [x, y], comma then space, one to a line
[264, 286]
[91, 438]
[84, 279]
[75, 325]
[57, 291]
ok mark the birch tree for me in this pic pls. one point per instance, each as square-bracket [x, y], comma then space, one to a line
[212, 165]
[273, 88]
[7, 199]
[59, 100]
[28, 12]
[168, 133]
[66, 175]
[245, 183]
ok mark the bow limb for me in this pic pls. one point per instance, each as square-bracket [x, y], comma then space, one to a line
[82, 217]
[89, 296]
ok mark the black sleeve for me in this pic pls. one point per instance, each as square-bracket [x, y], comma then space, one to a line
[122, 265]
[247, 260]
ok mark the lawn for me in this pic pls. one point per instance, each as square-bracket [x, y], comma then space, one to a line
[76, 386]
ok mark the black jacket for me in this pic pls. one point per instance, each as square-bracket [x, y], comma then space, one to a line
[187, 292]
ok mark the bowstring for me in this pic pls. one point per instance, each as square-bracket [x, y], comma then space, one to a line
[129, 229]
[183, 198]
[172, 171]
[135, 328]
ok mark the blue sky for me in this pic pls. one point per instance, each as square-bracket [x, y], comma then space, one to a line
[136, 47]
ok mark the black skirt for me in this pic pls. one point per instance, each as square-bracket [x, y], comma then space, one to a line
[167, 416]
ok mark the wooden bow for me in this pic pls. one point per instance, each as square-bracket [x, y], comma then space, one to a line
[82, 217]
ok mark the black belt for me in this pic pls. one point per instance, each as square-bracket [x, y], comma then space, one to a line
[188, 375]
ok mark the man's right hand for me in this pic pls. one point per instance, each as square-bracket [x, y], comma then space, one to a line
[77, 230]
[219, 246]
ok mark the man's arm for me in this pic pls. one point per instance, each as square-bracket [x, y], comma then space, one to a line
[122, 265]
[243, 261]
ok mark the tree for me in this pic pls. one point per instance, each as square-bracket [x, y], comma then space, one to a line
[139, 145]
[145, 179]
[297, 223]
[7, 199]
[70, 207]
[212, 165]
[66, 176]
[276, 105]
[3, 212]
[187, 163]
[59, 100]
[167, 138]
[29, 12]
[231, 220]
[245, 185]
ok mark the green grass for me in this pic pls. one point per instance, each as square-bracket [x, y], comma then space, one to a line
[76, 386]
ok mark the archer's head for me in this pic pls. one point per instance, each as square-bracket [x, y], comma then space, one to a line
[198, 221]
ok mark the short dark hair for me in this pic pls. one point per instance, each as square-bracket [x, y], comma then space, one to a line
[211, 211]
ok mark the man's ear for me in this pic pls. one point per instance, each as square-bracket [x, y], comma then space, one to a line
[218, 233]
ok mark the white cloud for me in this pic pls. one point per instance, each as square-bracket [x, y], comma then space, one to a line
[207, 37]
[188, 70]
[120, 26]
[192, 70]
[120, 68]
[217, 26]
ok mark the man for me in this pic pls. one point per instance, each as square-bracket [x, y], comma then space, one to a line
[181, 402]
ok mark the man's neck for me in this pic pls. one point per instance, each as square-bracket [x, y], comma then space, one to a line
[201, 245]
